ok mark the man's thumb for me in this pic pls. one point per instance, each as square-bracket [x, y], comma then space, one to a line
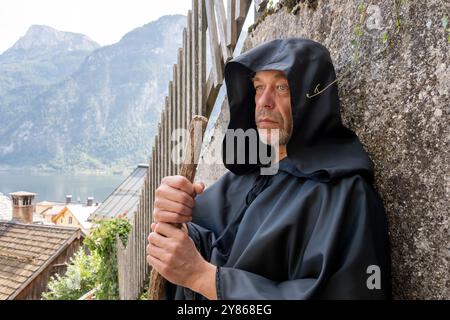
[199, 187]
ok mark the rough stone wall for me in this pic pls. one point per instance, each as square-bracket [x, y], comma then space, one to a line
[392, 61]
[210, 167]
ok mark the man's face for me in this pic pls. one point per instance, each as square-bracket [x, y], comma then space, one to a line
[273, 107]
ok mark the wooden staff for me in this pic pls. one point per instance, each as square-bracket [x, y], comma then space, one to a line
[188, 168]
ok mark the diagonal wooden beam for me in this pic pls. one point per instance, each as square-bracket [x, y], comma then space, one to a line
[242, 7]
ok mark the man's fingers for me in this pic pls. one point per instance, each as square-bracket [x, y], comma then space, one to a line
[171, 217]
[170, 231]
[171, 206]
[155, 263]
[179, 182]
[157, 240]
[175, 195]
[156, 252]
[199, 187]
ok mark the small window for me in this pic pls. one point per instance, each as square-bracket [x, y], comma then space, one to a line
[62, 220]
[70, 220]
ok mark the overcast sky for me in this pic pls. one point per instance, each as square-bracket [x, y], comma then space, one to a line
[104, 21]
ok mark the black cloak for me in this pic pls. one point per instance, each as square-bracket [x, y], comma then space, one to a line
[317, 228]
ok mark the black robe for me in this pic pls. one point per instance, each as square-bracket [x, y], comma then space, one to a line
[315, 228]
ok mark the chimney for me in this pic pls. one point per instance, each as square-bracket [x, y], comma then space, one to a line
[90, 201]
[68, 199]
[23, 206]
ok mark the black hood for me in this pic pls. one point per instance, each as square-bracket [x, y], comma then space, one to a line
[320, 146]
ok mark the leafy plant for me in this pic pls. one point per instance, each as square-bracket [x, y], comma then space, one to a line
[357, 31]
[79, 278]
[144, 294]
[384, 37]
[97, 270]
[102, 241]
[361, 8]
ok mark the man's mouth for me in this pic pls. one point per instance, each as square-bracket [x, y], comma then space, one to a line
[266, 121]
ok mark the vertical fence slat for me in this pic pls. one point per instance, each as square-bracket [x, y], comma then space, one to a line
[158, 159]
[180, 87]
[216, 54]
[139, 245]
[183, 80]
[152, 184]
[163, 156]
[146, 214]
[142, 243]
[167, 137]
[174, 103]
[202, 25]
[136, 246]
[133, 257]
[172, 128]
[231, 24]
[189, 66]
[177, 100]
[195, 57]
[222, 27]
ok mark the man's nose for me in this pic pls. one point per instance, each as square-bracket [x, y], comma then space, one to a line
[266, 99]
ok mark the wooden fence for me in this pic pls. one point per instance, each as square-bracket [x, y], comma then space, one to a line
[191, 91]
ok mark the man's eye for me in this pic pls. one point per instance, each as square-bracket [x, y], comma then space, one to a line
[259, 88]
[283, 88]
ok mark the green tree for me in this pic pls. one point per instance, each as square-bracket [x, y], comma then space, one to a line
[102, 241]
[79, 278]
[97, 270]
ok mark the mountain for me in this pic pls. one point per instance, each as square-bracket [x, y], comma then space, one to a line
[88, 112]
[45, 38]
[42, 57]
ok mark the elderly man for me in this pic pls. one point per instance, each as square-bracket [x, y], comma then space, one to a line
[314, 229]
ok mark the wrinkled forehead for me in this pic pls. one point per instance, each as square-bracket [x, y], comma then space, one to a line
[268, 75]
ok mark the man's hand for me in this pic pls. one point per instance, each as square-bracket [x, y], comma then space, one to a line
[174, 255]
[174, 199]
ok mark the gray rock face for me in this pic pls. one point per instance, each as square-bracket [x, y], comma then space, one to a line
[39, 59]
[46, 38]
[42, 56]
[395, 96]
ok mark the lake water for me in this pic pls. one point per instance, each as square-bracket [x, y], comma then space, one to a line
[55, 187]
